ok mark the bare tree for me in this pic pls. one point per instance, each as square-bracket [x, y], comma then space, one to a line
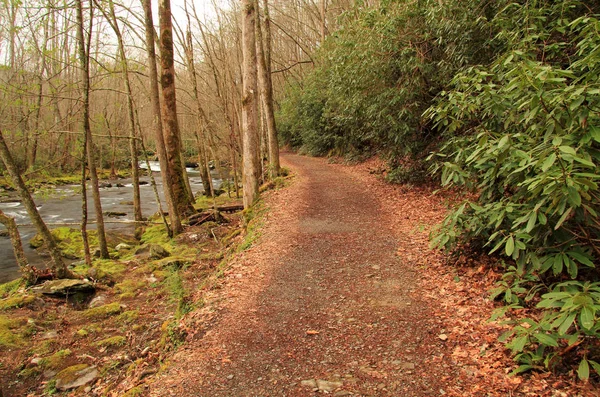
[263, 47]
[157, 124]
[182, 199]
[251, 147]
[84, 59]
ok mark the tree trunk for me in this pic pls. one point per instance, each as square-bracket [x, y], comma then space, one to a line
[264, 66]
[250, 142]
[133, 149]
[58, 265]
[183, 201]
[90, 149]
[15, 239]
[159, 139]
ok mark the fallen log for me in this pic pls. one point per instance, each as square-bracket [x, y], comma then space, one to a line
[230, 208]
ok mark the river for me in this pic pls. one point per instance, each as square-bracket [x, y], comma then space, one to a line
[63, 205]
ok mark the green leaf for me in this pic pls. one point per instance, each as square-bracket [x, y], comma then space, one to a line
[564, 327]
[548, 162]
[583, 372]
[518, 344]
[531, 223]
[574, 197]
[545, 339]
[563, 218]
[595, 365]
[583, 259]
[509, 248]
[587, 317]
[567, 150]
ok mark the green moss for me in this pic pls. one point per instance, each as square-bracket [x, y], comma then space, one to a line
[129, 286]
[103, 311]
[16, 301]
[70, 374]
[56, 360]
[44, 347]
[156, 234]
[113, 341]
[8, 336]
[108, 268]
[82, 333]
[69, 241]
[135, 392]
[227, 239]
[128, 316]
[10, 288]
[90, 329]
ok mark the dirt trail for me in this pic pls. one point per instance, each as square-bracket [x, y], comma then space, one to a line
[323, 296]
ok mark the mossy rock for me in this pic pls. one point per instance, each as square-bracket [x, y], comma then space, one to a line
[56, 360]
[104, 311]
[76, 376]
[113, 341]
[69, 241]
[16, 301]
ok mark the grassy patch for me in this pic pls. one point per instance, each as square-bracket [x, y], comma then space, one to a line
[113, 341]
[253, 220]
[16, 301]
[8, 335]
[10, 288]
[103, 311]
[128, 317]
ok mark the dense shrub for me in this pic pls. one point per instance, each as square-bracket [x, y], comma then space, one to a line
[379, 72]
[524, 135]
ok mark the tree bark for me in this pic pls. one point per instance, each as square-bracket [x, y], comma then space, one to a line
[90, 150]
[250, 142]
[58, 265]
[266, 88]
[159, 139]
[183, 201]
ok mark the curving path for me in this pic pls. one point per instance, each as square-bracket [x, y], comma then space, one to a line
[323, 304]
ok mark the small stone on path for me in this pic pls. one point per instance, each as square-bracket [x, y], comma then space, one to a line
[443, 337]
[328, 386]
[309, 383]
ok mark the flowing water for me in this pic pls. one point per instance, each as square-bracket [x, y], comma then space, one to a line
[63, 205]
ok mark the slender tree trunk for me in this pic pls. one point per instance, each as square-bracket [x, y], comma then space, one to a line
[15, 239]
[264, 67]
[90, 149]
[133, 149]
[183, 201]
[159, 139]
[84, 206]
[58, 265]
[250, 142]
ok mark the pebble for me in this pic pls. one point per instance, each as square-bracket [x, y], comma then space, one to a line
[230, 377]
[443, 337]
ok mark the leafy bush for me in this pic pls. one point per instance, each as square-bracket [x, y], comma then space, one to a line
[524, 135]
[376, 75]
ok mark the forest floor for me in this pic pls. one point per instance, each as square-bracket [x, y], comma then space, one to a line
[341, 295]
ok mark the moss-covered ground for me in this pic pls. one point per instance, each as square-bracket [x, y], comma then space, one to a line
[134, 321]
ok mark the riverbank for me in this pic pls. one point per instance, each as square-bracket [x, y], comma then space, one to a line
[123, 331]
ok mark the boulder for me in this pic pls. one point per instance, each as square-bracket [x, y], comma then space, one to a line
[158, 252]
[76, 376]
[64, 287]
[123, 246]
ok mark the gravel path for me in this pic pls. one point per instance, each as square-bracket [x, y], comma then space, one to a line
[323, 304]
